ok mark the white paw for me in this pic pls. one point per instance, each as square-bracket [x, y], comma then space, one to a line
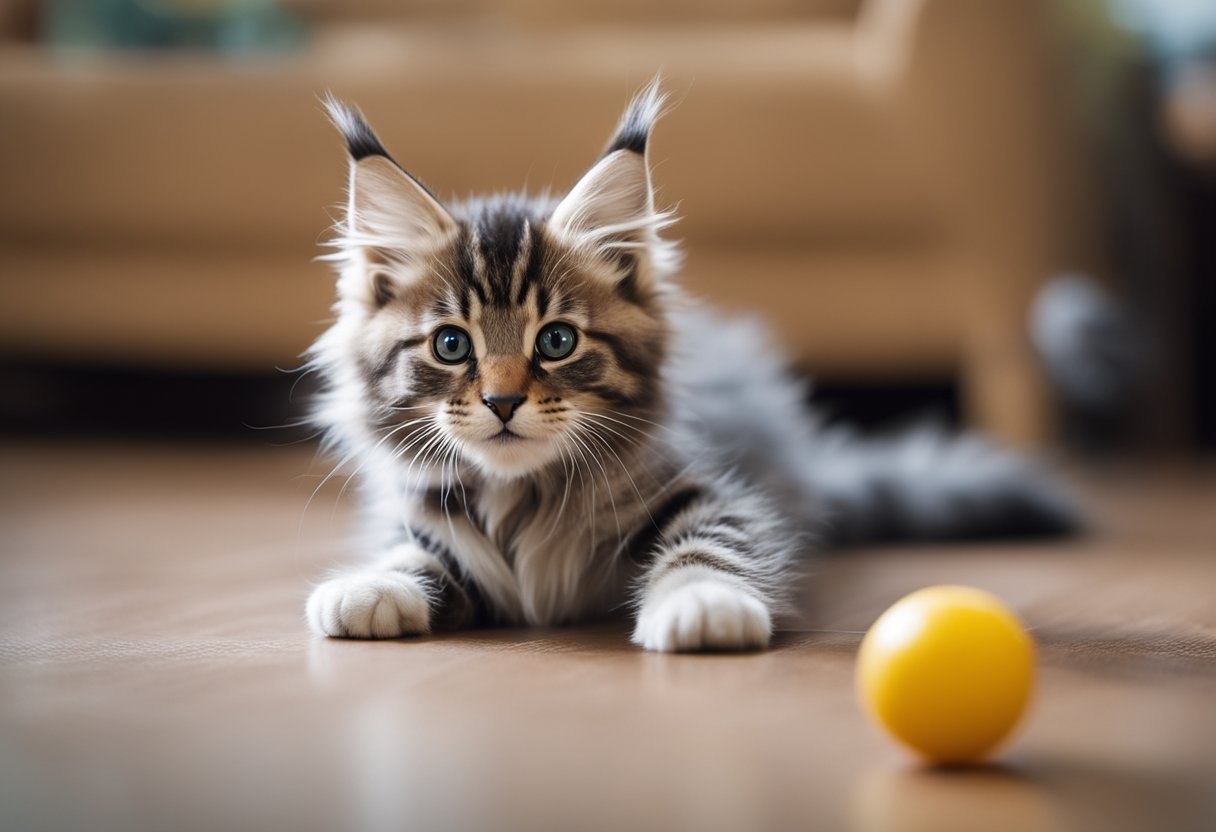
[369, 605]
[706, 614]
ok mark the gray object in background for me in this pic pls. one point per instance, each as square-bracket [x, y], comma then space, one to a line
[1092, 353]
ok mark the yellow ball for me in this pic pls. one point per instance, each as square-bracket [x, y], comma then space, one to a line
[947, 671]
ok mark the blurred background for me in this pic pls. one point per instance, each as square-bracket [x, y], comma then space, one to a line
[999, 211]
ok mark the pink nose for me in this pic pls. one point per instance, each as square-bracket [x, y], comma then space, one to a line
[504, 406]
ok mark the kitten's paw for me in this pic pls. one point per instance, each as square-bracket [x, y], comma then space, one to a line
[706, 614]
[369, 605]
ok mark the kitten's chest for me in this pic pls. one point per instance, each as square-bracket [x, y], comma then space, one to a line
[558, 567]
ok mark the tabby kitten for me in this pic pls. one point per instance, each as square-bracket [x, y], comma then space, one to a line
[546, 431]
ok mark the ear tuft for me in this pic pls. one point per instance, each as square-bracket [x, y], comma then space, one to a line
[387, 210]
[387, 206]
[613, 204]
[633, 130]
[361, 139]
[610, 210]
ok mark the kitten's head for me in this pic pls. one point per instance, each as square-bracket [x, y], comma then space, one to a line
[506, 332]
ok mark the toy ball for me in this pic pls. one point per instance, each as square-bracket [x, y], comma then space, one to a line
[947, 671]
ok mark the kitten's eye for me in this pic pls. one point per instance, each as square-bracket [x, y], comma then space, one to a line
[452, 345]
[556, 341]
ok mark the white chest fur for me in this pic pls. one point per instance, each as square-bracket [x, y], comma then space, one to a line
[539, 558]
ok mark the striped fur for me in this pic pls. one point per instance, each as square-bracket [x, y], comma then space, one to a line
[645, 469]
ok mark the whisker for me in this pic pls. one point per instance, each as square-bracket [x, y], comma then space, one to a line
[645, 421]
[580, 429]
[568, 477]
[367, 458]
[654, 446]
[424, 452]
[624, 468]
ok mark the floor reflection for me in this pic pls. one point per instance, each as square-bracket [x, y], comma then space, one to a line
[994, 798]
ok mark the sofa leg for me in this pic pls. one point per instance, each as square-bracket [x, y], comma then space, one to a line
[1005, 394]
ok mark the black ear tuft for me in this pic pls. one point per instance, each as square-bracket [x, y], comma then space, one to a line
[361, 140]
[633, 131]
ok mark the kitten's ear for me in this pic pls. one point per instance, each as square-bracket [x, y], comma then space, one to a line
[387, 208]
[392, 209]
[612, 206]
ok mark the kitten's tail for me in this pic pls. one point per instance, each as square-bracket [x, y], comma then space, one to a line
[927, 484]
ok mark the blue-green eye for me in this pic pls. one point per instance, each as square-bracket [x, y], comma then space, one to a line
[452, 345]
[556, 341]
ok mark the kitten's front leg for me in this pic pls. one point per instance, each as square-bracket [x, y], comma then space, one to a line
[405, 592]
[711, 576]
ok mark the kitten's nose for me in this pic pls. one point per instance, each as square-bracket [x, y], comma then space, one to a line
[504, 406]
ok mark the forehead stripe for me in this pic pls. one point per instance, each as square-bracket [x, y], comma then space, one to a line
[499, 235]
[531, 273]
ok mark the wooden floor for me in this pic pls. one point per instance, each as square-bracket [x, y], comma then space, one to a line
[155, 673]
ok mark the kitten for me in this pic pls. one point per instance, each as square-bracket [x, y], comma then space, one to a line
[547, 431]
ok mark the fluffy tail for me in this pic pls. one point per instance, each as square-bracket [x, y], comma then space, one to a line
[744, 411]
[926, 484]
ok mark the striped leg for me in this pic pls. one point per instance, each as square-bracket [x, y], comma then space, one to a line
[711, 574]
[411, 589]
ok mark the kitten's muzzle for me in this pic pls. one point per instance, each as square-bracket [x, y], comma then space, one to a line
[503, 406]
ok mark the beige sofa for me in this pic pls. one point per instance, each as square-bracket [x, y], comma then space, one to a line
[885, 180]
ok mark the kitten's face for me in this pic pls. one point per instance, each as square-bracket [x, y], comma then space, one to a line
[510, 334]
[512, 349]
